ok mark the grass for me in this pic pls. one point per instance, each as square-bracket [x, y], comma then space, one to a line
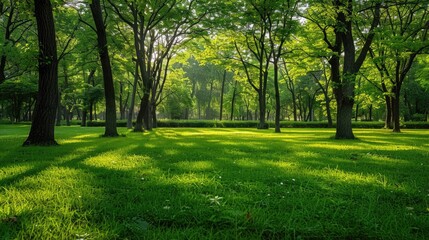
[215, 184]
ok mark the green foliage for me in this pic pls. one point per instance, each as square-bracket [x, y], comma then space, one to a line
[14, 93]
[92, 94]
[215, 183]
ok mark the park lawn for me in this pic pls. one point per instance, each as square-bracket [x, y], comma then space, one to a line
[215, 184]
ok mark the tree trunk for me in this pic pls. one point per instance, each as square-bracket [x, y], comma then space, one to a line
[147, 116]
[388, 118]
[344, 120]
[357, 112]
[109, 90]
[262, 110]
[59, 115]
[396, 110]
[344, 89]
[121, 103]
[154, 118]
[295, 110]
[133, 97]
[370, 113]
[277, 96]
[221, 95]
[139, 127]
[328, 111]
[2, 69]
[42, 130]
[233, 102]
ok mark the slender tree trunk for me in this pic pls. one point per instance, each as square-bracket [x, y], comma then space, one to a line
[295, 109]
[396, 109]
[133, 97]
[42, 130]
[109, 90]
[233, 102]
[357, 112]
[154, 118]
[90, 103]
[328, 111]
[221, 96]
[277, 96]
[121, 103]
[370, 112]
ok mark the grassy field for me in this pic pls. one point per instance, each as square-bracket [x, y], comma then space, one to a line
[215, 184]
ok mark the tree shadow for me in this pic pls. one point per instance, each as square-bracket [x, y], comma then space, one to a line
[210, 183]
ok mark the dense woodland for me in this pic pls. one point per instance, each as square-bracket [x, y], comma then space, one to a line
[140, 61]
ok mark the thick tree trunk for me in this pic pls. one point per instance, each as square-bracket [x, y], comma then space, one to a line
[262, 111]
[147, 116]
[344, 120]
[345, 83]
[109, 90]
[142, 115]
[42, 130]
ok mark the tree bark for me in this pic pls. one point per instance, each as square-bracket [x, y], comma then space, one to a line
[344, 89]
[277, 96]
[109, 90]
[133, 98]
[388, 118]
[221, 96]
[141, 118]
[396, 109]
[233, 102]
[42, 130]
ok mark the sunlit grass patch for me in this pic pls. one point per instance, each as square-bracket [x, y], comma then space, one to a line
[215, 183]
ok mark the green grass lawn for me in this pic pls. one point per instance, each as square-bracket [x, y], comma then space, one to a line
[215, 184]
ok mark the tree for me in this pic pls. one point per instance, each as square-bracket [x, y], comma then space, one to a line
[158, 26]
[15, 28]
[406, 23]
[343, 47]
[280, 27]
[109, 91]
[255, 55]
[42, 130]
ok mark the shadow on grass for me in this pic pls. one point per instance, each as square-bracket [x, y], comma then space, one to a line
[242, 184]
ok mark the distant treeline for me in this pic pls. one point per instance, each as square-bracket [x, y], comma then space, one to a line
[247, 124]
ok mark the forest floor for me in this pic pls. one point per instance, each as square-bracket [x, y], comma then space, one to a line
[210, 183]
